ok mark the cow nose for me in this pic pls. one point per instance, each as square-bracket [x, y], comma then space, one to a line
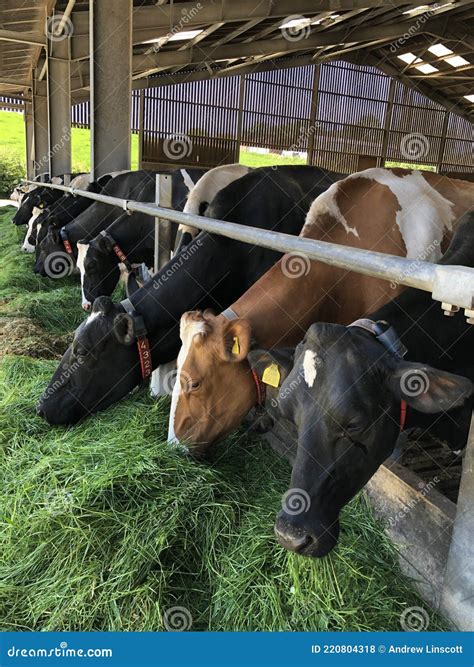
[86, 306]
[291, 541]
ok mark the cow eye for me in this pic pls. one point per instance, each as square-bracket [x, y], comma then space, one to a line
[354, 426]
[195, 384]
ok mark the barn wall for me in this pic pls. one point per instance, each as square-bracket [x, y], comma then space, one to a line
[344, 117]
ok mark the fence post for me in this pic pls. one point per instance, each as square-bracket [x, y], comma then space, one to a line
[312, 116]
[163, 197]
[159, 383]
[442, 143]
[387, 123]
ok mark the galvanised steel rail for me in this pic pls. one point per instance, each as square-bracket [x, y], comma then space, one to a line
[452, 285]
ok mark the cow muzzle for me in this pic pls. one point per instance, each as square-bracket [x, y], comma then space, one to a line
[303, 540]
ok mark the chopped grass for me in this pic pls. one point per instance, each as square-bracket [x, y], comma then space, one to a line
[103, 526]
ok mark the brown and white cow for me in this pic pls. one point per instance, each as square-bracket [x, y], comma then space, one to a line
[394, 211]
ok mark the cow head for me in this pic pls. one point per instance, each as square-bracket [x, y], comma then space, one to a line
[98, 369]
[345, 400]
[214, 388]
[39, 197]
[99, 269]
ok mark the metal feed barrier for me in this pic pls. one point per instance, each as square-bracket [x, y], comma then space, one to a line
[452, 285]
[444, 570]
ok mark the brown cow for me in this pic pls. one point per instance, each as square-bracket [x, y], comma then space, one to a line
[399, 212]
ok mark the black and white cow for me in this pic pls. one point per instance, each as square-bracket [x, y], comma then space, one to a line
[137, 185]
[38, 197]
[203, 193]
[106, 359]
[62, 211]
[350, 392]
[100, 260]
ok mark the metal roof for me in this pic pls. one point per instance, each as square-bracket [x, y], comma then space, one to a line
[247, 35]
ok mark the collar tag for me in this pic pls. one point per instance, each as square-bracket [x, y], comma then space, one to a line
[236, 346]
[271, 375]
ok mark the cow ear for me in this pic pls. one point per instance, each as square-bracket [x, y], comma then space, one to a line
[103, 244]
[103, 304]
[428, 389]
[124, 329]
[235, 341]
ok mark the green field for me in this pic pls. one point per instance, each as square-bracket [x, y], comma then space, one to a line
[103, 526]
[12, 133]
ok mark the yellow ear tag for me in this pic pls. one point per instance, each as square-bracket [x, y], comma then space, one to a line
[236, 346]
[271, 375]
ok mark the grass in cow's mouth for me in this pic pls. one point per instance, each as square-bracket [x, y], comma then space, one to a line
[104, 526]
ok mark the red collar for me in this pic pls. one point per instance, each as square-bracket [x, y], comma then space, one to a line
[143, 344]
[261, 392]
[403, 414]
[65, 240]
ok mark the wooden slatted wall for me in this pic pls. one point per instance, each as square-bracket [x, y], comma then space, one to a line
[357, 117]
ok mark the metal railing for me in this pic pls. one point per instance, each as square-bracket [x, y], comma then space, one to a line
[452, 285]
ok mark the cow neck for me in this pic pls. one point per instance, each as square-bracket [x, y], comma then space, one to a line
[386, 336]
[190, 280]
[122, 257]
[141, 336]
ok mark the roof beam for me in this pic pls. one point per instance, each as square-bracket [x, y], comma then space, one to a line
[34, 38]
[151, 22]
[264, 47]
[431, 93]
